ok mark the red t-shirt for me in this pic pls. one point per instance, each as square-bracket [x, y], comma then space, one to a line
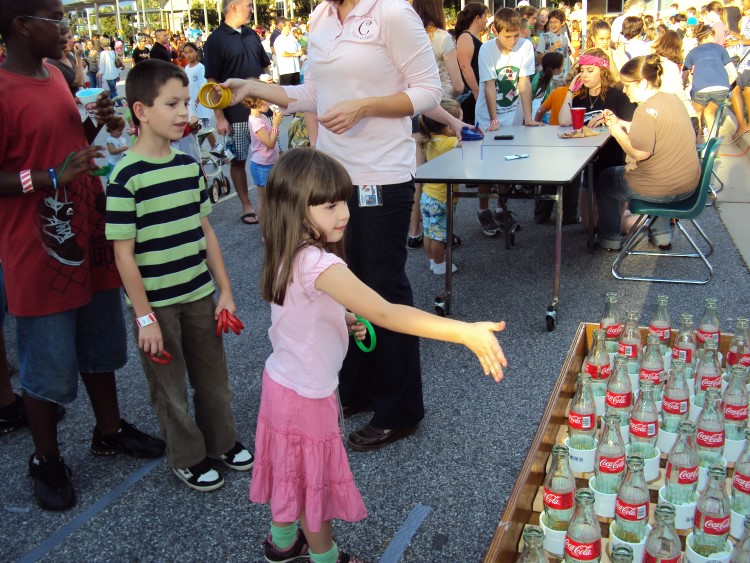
[52, 247]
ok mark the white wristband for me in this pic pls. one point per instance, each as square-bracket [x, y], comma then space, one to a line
[146, 320]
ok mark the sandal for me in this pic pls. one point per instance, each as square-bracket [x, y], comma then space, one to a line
[246, 219]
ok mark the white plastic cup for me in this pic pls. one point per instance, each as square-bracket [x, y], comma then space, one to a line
[667, 358]
[89, 96]
[703, 475]
[581, 461]
[604, 503]
[638, 548]
[554, 540]
[471, 149]
[692, 557]
[650, 465]
[733, 449]
[684, 514]
[738, 525]
[691, 386]
[666, 440]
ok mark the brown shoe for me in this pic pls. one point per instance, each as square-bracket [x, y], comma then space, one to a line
[370, 438]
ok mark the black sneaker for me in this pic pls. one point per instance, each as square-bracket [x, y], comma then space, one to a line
[201, 476]
[53, 489]
[346, 558]
[456, 242]
[415, 242]
[13, 416]
[297, 551]
[128, 439]
[58, 238]
[238, 458]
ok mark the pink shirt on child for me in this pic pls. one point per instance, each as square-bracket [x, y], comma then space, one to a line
[381, 49]
[261, 154]
[308, 333]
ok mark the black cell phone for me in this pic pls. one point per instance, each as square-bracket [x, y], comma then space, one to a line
[504, 137]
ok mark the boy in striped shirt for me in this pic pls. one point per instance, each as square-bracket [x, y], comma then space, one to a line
[169, 258]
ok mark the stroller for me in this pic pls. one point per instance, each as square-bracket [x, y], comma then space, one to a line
[213, 162]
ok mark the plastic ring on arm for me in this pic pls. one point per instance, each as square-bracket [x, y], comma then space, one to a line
[371, 332]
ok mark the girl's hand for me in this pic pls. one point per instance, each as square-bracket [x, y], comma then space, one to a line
[277, 118]
[81, 161]
[609, 118]
[533, 123]
[150, 339]
[480, 339]
[576, 83]
[354, 327]
[342, 117]
[493, 127]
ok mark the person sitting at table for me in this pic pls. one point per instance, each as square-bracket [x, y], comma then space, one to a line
[661, 164]
[593, 88]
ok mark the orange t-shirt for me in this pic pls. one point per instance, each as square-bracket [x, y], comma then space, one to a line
[554, 102]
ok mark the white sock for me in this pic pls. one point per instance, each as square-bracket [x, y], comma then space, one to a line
[432, 264]
[440, 269]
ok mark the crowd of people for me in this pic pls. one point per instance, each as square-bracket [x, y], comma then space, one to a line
[68, 246]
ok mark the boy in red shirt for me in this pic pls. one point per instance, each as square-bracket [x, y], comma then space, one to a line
[61, 280]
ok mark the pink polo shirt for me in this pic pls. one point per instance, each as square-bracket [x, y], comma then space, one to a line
[308, 333]
[381, 49]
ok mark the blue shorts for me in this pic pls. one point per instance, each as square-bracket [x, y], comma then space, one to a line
[54, 349]
[702, 98]
[260, 173]
[434, 218]
[2, 298]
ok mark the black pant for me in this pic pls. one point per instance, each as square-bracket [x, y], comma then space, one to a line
[390, 376]
[291, 79]
[543, 208]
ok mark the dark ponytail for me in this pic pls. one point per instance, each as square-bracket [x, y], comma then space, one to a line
[646, 68]
[550, 63]
[468, 15]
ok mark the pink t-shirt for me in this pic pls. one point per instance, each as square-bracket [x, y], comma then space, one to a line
[261, 154]
[308, 333]
[381, 49]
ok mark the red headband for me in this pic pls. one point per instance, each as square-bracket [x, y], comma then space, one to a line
[593, 60]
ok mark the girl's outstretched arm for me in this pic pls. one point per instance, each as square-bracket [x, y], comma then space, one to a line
[341, 284]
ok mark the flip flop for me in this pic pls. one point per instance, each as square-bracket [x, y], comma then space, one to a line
[246, 216]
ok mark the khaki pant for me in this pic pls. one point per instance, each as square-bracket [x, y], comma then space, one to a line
[189, 332]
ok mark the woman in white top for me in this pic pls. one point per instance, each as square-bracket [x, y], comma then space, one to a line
[108, 70]
[669, 48]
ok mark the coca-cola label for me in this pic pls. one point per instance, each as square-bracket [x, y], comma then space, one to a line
[648, 558]
[598, 371]
[733, 357]
[708, 381]
[735, 412]
[711, 525]
[590, 551]
[581, 421]
[683, 354]
[628, 350]
[664, 332]
[741, 483]
[643, 429]
[703, 335]
[612, 465]
[613, 331]
[631, 512]
[674, 406]
[558, 501]
[709, 439]
[685, 476]
[618, 400]
[655, 375]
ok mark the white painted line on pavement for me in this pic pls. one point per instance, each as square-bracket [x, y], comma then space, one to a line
[404, 534]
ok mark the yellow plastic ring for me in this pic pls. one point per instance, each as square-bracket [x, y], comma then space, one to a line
[205, 93]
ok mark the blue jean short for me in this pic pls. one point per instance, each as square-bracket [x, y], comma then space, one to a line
[2, 298]
[260, 173]
[702, 98]
[54, 349]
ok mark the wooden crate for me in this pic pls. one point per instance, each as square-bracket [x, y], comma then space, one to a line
[524, 504]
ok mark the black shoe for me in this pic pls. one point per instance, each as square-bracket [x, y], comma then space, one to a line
[13, 416]
[53, 489]
[298, 550]
[456, 242]
[238, 458]
[128, 439]
[370, 437]
[415, 242]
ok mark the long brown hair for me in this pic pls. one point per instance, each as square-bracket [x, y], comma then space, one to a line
[669, 46]
[466, 17]
[430, 12]
[608, 81]
[300, 178]
[644, 68]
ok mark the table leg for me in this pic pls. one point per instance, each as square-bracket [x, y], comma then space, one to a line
[591, 243]
[443, 302]
[551, 317]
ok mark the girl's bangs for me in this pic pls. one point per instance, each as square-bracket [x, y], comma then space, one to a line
[336, 185]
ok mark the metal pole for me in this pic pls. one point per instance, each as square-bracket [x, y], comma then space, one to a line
[205, 17]
[119, 23]
[88, 20]
[171, 15]
[218, 8]
[255, 13]
[98, 21]
[584, 31]
[144, 21]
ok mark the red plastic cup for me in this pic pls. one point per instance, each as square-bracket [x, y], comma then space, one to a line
[577, 115]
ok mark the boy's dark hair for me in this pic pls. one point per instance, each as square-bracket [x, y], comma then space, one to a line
[146, 79]
[506, 19]
[632, 26]
[11, 9]
[559, 15]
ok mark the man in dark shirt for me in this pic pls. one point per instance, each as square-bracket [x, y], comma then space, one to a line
[159, 51]
[234, 50]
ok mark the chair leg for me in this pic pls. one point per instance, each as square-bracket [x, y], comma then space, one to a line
[702, 233]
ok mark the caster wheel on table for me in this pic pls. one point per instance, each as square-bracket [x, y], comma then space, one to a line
[214, 191]
[440, 305]
[225, 186]
[551, 318]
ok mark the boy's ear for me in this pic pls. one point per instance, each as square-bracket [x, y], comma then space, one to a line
[139, 110]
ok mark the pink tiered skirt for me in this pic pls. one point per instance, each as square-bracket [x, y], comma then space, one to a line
[300, 460]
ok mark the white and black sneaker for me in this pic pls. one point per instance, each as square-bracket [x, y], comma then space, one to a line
[238, 458]
[58, 238]
[201, 477]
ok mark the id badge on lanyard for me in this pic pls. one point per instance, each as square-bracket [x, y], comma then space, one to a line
[370, 195]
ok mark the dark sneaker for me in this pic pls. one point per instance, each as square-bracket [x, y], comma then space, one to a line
[415, 242]
[488, 223]
[201, 477]
[128, 439]
[298, 551]
[456, 242]
[58, 238]
[53, 489]
[13, 416]
[238, 458]
[346, 558]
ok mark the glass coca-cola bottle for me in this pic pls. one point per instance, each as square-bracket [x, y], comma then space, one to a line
[682, 467]
[631, 504]
[609, 464]
[663, 543]
[741, 551]
[675, 403]
[712, 515]
[708, 371]
[611, 321]
[533, 550]
[583, 541]
[735, 401]
[559, 489]
[741, 481]
[619, 396]
[622, 554]
[686, 344]
[597, 365]
[582, 416]
[739, 347]
[660, 323]
[708, 326]
[629, 344]
[710, 435]
[652, 365]
[644, 423]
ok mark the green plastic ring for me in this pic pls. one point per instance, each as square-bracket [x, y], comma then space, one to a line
[371, 332]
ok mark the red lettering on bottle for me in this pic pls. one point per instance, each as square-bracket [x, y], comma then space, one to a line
[557, 501]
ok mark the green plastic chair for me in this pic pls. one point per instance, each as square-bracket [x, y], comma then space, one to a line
[686, 210]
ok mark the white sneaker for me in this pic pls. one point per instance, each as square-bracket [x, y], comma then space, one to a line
[201, 477]
[238, 458]
[440, 269]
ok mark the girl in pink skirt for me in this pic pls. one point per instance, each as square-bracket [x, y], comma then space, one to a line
[300, 468]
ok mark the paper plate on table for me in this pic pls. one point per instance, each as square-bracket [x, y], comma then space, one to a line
[581, 133]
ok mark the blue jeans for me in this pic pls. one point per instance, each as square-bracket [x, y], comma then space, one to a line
[611, 190]
[93, 82]
[112, 84]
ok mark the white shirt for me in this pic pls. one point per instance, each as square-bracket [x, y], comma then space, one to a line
[286, 44]
[197, 78]
[118, 143]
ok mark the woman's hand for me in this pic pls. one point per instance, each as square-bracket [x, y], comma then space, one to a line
[608, 117]
[480, 338]
[240, 88]
[343, 116]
